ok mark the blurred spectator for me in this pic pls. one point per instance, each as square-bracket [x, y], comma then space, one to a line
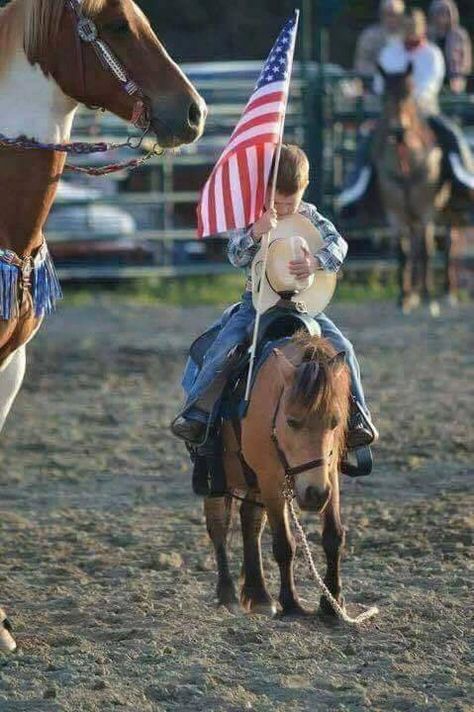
[453, 40]
[373, 39]
[425, 57]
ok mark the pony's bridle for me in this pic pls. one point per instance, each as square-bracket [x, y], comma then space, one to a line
[292, 472]
[87, 33]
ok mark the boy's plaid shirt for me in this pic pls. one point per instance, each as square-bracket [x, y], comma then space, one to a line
[242, 249]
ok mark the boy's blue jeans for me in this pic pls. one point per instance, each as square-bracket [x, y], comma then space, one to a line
[233, 333]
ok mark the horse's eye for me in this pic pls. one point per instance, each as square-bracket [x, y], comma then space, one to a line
[121, 27]
[294, 423]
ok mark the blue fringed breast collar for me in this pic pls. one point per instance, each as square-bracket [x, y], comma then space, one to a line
[35, 274]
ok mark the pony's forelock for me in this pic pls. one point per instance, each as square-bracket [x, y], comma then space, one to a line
[320, 386]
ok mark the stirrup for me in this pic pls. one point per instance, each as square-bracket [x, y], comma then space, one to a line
[364, 466]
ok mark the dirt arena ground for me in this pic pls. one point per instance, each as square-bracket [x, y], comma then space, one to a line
[105, 566]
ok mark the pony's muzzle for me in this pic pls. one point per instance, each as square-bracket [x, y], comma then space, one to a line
[315, 498]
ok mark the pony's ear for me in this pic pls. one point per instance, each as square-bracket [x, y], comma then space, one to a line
[285, 367]
[409, 69]
[381, 70]
[338, 362]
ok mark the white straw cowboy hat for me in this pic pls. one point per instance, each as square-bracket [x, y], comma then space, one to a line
[287, 240]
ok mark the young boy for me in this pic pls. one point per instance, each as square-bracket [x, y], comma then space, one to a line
[292, 181]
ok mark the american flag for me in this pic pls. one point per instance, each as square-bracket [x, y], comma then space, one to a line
[234, 194]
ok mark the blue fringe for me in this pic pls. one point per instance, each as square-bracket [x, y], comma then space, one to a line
[45, 288]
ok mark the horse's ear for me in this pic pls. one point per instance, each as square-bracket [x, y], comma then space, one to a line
[409, 69]
[285, 367]
[338, 362]
[381, 70]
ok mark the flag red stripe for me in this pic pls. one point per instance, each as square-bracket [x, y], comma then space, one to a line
[267, 99]
[226, 189]
[244, 183]
[274, 116]
[211, 206]
[261, 187]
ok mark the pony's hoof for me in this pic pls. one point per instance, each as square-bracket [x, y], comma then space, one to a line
[326, 611]
[295, 611]
[451, 301]
[258, 605]
[231, 607]
[263, 609]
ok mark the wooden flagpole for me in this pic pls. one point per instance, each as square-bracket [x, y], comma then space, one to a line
[266, 237]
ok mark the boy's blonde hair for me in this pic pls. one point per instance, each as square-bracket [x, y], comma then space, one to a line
[293, 171]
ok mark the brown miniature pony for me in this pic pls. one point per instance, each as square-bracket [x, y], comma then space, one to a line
[409, 167]
[295, 422]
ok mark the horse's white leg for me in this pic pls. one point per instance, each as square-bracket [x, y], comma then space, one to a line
[11, 378]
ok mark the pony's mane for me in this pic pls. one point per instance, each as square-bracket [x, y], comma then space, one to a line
[320, 387]
[33, 25]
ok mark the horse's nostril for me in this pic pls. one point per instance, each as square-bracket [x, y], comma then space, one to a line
[195, 114]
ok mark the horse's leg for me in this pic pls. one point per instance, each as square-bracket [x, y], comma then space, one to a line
[284, 547]
[218, 511]
[427, 276]
[405, 259]
[11, 378]
[333, 539]
[450, 273]
[254, 596]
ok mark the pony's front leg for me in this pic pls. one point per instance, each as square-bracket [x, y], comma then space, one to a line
[284, 548]
[218, 511]
[333, 539]
[254, 595]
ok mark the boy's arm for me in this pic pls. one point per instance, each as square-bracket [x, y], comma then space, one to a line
[241, 248]
[333, 253]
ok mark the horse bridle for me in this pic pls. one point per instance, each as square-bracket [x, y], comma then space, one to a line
[87, 33]
[292, 472]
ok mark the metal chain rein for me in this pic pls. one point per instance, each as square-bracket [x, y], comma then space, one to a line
[362, 617]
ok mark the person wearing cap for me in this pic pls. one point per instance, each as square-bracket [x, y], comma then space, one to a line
[374, 38]
[292, 180]
[453, 40]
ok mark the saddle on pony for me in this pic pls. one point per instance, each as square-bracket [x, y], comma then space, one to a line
[286, 307]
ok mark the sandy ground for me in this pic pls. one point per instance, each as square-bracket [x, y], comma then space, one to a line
[106, 569]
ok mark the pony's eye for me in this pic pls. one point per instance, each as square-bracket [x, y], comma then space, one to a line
[294, 423]
[334, 422]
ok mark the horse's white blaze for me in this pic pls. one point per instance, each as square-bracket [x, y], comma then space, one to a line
[32, 104]
[11, 378]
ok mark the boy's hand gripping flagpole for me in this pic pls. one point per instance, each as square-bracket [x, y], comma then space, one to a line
[266, 237]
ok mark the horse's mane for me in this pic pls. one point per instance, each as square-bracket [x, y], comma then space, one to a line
[33, 25]
[320, 387]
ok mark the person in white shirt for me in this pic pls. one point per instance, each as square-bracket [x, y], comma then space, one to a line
[428, 72]
[425, 57]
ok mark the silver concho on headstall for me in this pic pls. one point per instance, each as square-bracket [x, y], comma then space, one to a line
[86, 30]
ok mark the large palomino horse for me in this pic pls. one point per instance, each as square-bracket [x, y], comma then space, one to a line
[55, 55]
[408, 163]
[294, 429]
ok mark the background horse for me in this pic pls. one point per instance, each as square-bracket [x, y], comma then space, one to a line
[54, 55]
[409, 173]
[296, 417]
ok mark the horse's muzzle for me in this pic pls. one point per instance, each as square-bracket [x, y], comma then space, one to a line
[179, 122]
